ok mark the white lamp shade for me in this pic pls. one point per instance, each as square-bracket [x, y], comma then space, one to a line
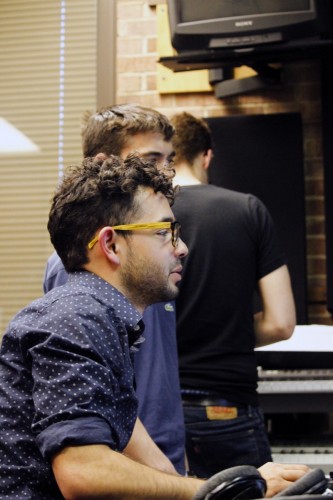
[14, 141]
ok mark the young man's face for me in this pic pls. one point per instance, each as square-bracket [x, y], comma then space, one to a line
[151, 146]
[153, 265]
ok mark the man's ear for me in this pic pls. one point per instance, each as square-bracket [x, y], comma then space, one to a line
[101, 156]
[207, 158]
[108, 244]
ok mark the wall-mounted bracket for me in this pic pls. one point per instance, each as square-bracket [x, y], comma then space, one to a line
[225, 85]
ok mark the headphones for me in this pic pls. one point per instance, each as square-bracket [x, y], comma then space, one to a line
[240, 482]
[245, 482]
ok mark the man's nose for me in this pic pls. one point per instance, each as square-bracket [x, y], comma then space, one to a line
[181, 249]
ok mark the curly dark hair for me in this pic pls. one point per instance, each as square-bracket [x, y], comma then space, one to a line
[192, 137]
[96, 194]
[107, 130]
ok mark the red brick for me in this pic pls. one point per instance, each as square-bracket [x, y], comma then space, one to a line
[143, 64]
[126, 46]
[316, 245]
[315, 206]
[151, 45]
[314, 187]
[315, 225]
[318, 314]
[314, 168]
[312, 147]
[317, 293]
[136, 27]
[316, 266]
[129, 10]
[129, 84]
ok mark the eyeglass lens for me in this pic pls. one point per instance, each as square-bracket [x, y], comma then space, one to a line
[175, 227]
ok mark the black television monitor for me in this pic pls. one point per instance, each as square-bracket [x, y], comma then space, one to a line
[240, 24]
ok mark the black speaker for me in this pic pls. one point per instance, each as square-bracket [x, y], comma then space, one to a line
[263, 155]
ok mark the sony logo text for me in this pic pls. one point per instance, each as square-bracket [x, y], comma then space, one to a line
[243, 23]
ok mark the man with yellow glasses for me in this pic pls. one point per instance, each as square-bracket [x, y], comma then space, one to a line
[68, 407]
[67, 400]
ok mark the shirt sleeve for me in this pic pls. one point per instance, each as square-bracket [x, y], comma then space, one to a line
[81, 377]
[77, 432]
[271, 254]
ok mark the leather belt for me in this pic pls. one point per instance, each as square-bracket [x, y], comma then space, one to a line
[209, 401]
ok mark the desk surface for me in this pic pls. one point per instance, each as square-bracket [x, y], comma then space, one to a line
[313, 338]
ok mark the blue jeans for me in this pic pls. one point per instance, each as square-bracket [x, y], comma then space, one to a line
[214, 445]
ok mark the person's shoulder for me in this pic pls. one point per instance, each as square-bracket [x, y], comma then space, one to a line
[55, 273]
[218, 194]
[54, 262]
[244, 201]
[160, 311]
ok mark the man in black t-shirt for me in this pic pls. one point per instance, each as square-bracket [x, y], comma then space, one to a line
[233, 252]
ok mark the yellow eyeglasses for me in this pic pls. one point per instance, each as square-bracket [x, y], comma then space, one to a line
[173, 225]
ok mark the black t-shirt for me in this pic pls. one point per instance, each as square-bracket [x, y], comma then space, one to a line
[232, 244]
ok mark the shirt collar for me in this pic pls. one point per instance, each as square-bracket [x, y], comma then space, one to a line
[123, 308]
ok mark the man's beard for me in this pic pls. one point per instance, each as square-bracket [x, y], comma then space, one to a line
[145, 282]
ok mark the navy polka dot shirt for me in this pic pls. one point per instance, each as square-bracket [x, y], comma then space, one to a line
[66, 379]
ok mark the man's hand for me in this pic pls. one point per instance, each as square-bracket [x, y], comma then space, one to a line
[279, 476]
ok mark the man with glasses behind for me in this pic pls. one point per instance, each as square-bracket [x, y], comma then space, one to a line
[120, 130]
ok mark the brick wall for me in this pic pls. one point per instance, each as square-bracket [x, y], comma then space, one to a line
[136, 82]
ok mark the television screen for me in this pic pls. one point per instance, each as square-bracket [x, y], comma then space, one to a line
[211, 9]
[214, 24]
